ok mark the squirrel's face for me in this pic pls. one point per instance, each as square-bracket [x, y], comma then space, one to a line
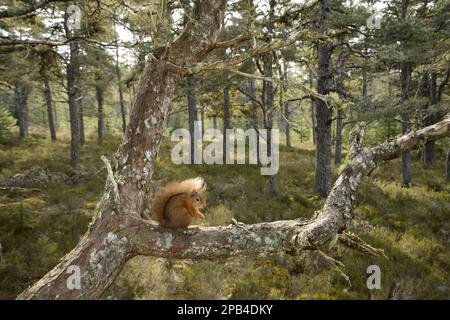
[198, 199]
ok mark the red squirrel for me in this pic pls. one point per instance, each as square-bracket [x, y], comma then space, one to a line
[178, 202]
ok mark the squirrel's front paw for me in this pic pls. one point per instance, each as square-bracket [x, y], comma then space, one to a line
[201, 216]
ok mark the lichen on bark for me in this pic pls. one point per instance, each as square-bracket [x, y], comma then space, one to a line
[103, 260]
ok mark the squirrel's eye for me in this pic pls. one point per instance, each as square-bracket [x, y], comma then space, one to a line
[198, 199]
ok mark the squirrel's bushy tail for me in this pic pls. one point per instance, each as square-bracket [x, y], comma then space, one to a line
[171, 189]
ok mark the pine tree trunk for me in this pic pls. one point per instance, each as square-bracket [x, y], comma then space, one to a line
[48, 100]
[100, 113]
[192, 111]
[313, 109]
[81, 119]
[405, 80]
[287, 129]
[323, 113]
[21, 93]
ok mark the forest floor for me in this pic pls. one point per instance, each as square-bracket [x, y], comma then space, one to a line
[44, 219]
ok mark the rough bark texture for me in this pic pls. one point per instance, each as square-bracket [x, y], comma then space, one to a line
[268, 114]
[323, 112]
[405, 83]
[202, 119]
[287, 128]
[287, 111]
[48, 101]
[313, 109]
